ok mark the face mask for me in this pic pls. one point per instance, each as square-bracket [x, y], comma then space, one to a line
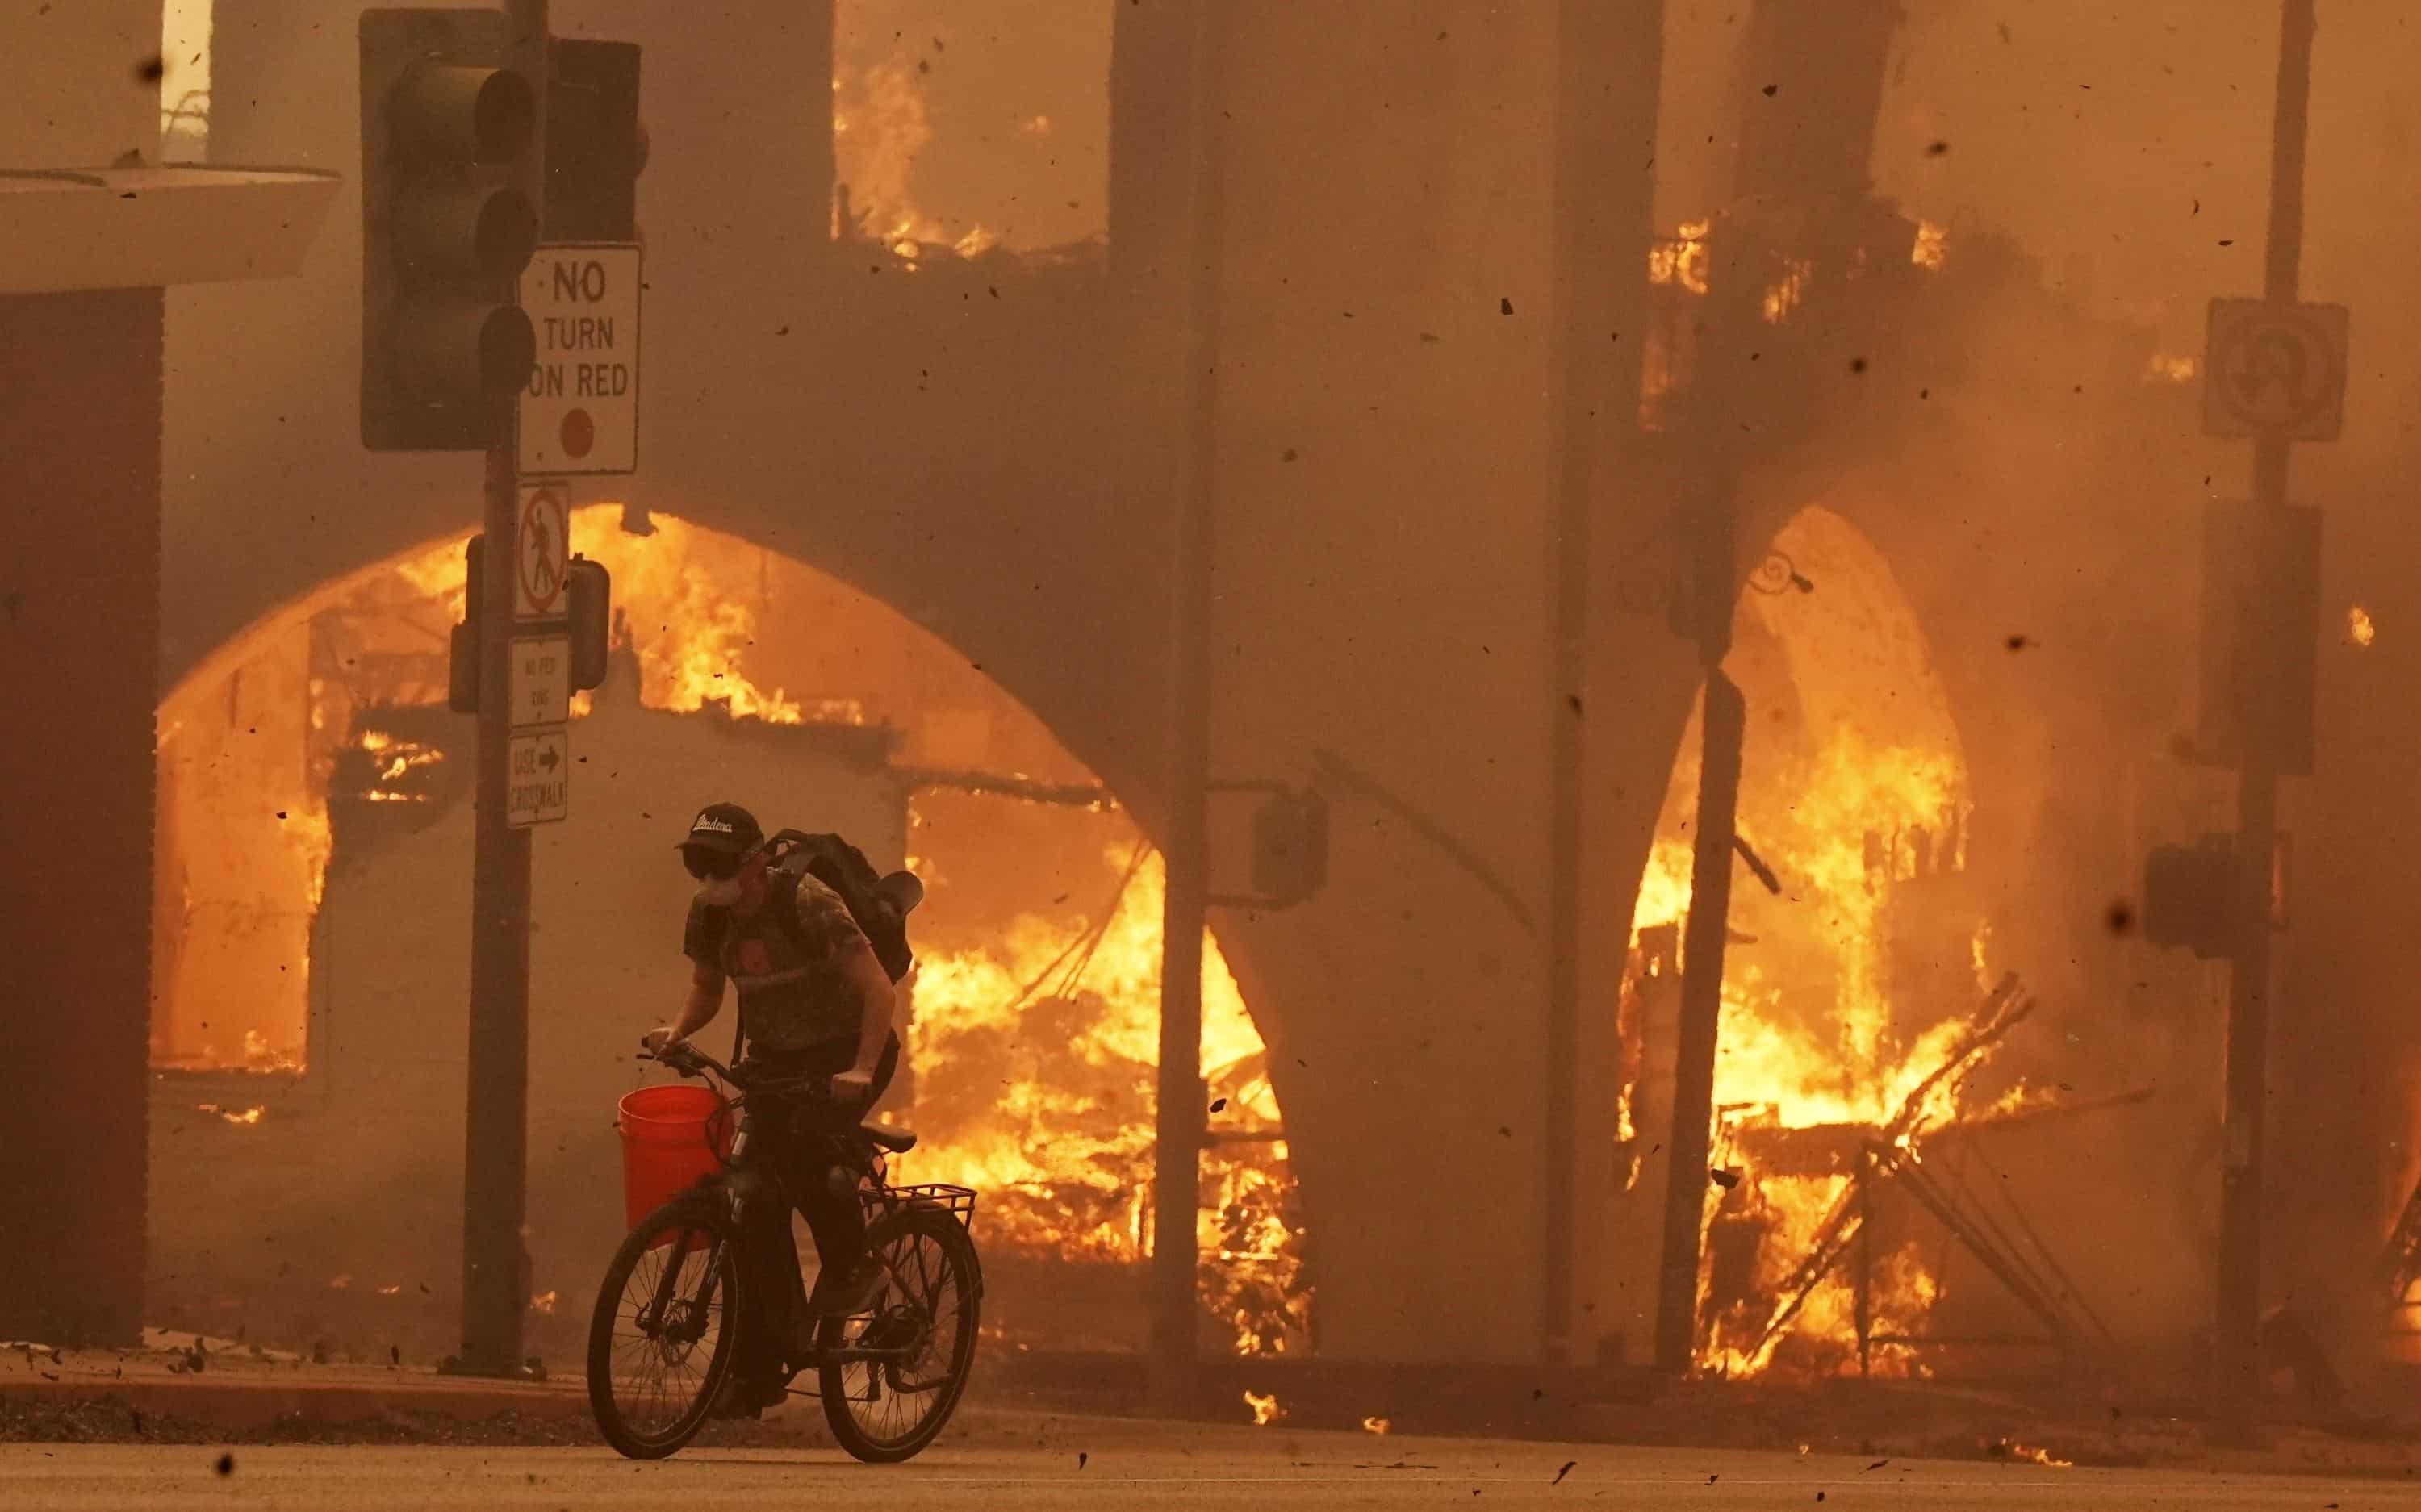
[720, 892]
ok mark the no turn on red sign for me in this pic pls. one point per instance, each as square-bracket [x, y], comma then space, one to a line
[579, 412]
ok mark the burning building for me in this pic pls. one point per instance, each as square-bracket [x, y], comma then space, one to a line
[309, 986]
[1482, 376]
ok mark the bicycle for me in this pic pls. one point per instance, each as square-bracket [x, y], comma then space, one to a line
[912, 1344]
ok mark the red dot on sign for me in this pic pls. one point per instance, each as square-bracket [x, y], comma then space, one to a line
[579, 433]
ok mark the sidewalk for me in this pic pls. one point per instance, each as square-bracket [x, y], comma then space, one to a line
[222, 1384]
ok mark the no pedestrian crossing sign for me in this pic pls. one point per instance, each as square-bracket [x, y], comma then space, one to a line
[579, 412]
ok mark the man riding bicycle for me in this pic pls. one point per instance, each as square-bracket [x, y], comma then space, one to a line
[814, 1003]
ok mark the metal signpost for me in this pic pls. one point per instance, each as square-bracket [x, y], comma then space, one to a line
[2273, 373]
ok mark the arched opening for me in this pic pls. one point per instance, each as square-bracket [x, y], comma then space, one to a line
[314, 804]
[1847, 983]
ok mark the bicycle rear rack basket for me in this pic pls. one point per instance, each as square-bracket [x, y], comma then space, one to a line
[959, 1202]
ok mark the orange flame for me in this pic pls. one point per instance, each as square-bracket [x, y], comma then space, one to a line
[1784, 1062]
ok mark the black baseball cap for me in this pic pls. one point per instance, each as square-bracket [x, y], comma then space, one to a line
[726, 828]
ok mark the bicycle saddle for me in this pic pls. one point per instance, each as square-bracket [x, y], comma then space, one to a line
[898, 1141]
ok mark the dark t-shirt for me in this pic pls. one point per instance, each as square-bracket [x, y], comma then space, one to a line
[794, 985]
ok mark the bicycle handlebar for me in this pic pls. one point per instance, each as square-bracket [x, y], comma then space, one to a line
[689, 1060]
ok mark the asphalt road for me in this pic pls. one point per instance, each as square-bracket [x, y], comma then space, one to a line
[1175, 1466]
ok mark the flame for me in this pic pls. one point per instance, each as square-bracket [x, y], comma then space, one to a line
[880, 126]
[1862, 818]
[1036, 1062]
[1784, 297]
[2011, 1449]
[544, 1302]
[1266, 1410]
[2358, 625]
[1681, 261]
[691, 631]
[1929, 251]
[1376, 1425]
[245, 1119]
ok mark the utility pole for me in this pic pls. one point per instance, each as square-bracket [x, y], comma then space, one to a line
[1186, 850]
[2260, 666]
[1709, 582]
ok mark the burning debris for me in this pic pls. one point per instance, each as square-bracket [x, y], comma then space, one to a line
[1266, 1410]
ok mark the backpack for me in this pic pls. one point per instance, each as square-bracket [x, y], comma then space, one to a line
[880, 904]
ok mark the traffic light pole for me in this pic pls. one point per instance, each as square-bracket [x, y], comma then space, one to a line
[495, 1153]
[496, 1286]
[2257, 793]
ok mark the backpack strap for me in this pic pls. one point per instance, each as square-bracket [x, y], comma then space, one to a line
[785, 901]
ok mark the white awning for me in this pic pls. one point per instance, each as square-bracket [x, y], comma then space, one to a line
[64, 229]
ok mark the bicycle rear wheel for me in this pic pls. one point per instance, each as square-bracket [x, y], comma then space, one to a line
[660, 1342]
[919, 1333]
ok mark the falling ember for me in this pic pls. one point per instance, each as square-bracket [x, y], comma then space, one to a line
[1931, 249]
[391, 1291]
[544, 1302]
[2165, 368]
[2359, 629]
[340, 1282]
[1376, 1425]
[1266, 1410]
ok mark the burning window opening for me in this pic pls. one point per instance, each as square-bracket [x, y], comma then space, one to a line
[952, 139]
[1681, 261]
[1844, 993]
[185, 80]
[1033, 1036]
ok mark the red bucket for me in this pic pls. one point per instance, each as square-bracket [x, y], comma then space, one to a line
[671, 1136]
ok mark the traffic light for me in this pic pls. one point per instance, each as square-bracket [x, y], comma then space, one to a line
[462, 647]
[1290, 846]
[588, 595]
[587, 619]
[2190, 896]
[449, 219]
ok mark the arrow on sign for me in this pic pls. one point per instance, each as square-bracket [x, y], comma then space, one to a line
[549, 758]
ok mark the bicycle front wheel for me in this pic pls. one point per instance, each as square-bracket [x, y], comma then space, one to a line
[893, 1374]
[660, 1341]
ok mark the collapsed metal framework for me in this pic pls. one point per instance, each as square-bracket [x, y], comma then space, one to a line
[2007, 1245]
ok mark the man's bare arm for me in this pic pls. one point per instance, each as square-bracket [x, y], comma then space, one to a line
[877, 1003]
[699, 1009]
